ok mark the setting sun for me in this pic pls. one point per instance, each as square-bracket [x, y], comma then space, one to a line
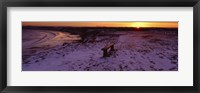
[139, 24]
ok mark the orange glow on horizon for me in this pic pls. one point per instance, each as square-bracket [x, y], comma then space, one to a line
[139, 24]
[105, 24]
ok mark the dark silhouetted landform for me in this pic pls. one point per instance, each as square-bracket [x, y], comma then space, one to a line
[63, 28]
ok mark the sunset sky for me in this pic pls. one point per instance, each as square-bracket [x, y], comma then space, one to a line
[104, 24]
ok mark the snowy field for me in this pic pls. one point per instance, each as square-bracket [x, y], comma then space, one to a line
[46, 50]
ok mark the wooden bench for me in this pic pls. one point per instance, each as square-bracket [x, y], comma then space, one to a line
[106, 53]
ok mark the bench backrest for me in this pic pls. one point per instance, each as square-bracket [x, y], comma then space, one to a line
[108, 46]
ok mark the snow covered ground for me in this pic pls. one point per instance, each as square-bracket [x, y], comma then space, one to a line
[45, 50]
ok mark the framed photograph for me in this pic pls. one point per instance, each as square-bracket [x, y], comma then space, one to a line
[100, 46]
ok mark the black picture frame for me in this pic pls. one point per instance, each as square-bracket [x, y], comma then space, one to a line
[98, 3]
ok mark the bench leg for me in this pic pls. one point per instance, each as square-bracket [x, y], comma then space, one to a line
[112, 48]
[105, 54]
